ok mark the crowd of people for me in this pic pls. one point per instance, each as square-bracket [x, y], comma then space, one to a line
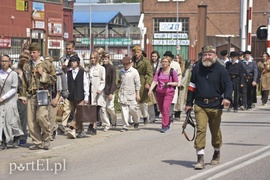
[32, 91]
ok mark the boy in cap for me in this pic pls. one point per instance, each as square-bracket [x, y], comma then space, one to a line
[251, 79]
[37, 75]
[224, 56]
[129, 94]
[145, 71]
[235, 70]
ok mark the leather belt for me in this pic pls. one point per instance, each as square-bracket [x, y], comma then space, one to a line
[207, 101]
[248, 77]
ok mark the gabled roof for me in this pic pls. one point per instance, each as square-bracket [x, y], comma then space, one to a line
[96, 17]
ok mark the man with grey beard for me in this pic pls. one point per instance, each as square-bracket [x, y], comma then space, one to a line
[210, 89]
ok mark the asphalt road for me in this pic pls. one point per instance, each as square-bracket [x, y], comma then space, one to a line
[148, 154]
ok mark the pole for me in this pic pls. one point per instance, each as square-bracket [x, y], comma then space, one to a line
[90, 27]
[268, 36]
[177, 20]
[243, 24]
[249, 25]
[201, 27]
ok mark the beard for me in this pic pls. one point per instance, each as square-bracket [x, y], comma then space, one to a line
[208, 62]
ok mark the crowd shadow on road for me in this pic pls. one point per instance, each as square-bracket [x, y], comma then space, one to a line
[188, 164]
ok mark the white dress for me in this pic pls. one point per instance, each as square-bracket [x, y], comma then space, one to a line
[9, 116]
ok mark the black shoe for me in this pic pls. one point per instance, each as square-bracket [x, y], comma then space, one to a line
[177, 114]
[90, 129]
[3, 146]
[16, 141]
[54, 134]
[145, 121]
[94, 132]
[136, 125]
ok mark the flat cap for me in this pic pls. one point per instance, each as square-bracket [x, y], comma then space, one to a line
[209, 48]
[126, 60]
[74, 58]
[34, 47]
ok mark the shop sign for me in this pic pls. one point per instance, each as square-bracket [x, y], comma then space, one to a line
[170, 26]
[170, 35]
[5, 42]
[38, 25]
[170, 42]
[54, 44]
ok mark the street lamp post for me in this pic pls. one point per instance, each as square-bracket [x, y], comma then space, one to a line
[90, 26]
[177, 21]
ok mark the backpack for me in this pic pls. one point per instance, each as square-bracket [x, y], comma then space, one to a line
[64, 92]
[171, 74]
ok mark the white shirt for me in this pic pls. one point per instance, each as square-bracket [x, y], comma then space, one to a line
[13, 90]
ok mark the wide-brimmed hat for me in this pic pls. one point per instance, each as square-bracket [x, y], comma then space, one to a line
[168, 53]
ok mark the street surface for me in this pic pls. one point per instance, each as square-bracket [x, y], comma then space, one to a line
[149, 154]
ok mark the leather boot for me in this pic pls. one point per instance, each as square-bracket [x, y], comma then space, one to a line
[216, 157]
[90, 129]
[200, 162]
[94, 132]
[145, 120]
[3, 146]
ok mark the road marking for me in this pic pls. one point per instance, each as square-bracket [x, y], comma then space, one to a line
[57, 147]
[230, 163]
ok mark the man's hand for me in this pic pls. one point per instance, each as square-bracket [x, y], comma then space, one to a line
[226, 103]
[110, 97]
[98, 91]
[150, 93]
[254, 83]
[1, 100]
[187, 108]
[147, 86]
[138, 98]
[54, 102]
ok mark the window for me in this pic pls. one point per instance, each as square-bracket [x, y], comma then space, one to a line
[184, 21]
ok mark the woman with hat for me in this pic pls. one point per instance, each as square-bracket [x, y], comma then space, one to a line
[78, 94]
[166, 80]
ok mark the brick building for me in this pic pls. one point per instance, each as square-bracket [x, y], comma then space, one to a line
[49, 22]
[222, 25]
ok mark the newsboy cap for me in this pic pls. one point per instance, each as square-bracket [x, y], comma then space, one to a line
[223, 52]
[247, 52]
[126, 60]
[168, 53]
[209, 48]
[34, 47]
[74, 58]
